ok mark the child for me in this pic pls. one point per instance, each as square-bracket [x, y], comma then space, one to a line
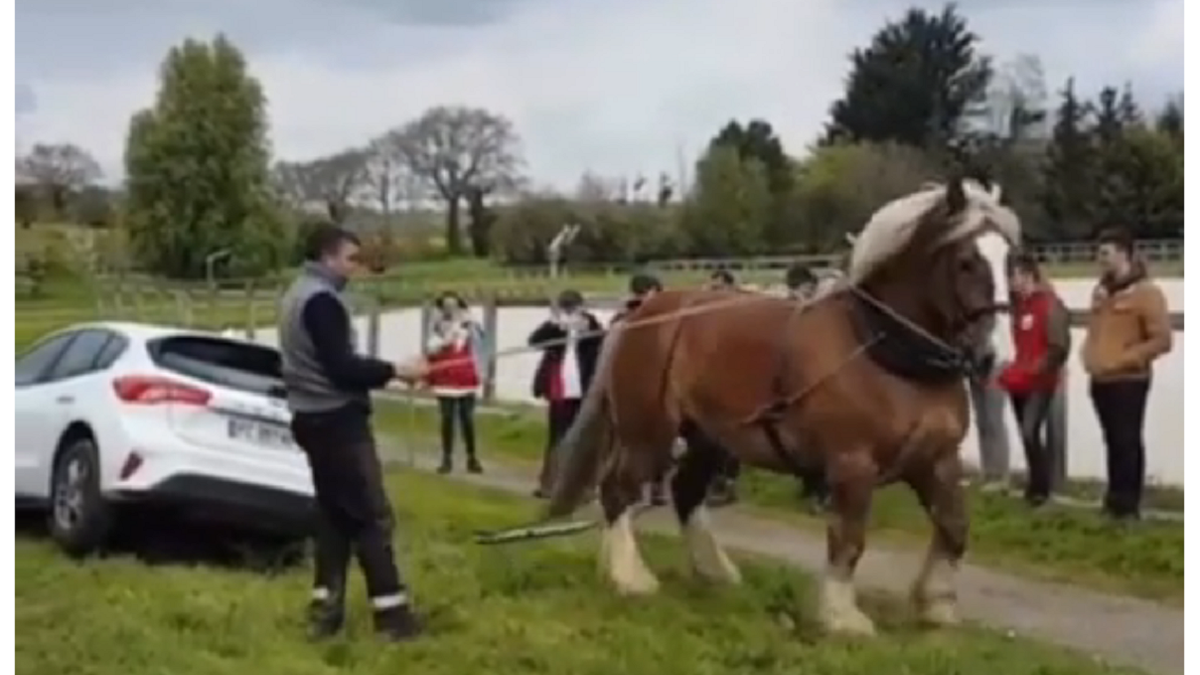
[456, 358]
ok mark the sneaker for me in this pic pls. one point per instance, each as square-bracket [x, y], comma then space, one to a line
[397, 624]
[325, 619]
[473, 466]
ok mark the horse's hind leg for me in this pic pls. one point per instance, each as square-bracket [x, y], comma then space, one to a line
[939, 488]
[620, 559]
[851, 481]
[689, 487]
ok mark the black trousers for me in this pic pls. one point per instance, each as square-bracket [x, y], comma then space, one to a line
[354, 514]
[460, 409]
[1121, 409]
[560, 415]
[1032, 411]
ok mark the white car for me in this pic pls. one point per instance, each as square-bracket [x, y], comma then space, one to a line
[112, 416]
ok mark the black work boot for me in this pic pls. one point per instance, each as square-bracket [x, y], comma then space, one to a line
[446, 466]
[473, 465]
[325, 618]
[397, 624]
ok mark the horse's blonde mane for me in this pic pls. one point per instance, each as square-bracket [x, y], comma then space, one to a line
[892, 227]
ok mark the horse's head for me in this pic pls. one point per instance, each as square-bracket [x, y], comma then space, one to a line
[919, 255]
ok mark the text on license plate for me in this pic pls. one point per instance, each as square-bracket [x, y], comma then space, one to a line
[259, 433]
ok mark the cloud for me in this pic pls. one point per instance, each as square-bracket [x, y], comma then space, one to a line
[619, 86]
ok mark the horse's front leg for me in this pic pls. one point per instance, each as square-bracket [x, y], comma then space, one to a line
[851, 482]
[939, 489]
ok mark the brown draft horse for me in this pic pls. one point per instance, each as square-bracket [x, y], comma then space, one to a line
[867, 383]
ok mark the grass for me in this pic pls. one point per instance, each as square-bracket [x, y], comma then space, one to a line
[539, 608]
[1060, 544]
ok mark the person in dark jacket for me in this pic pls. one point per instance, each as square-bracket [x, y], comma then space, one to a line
[570, 344]
[641, 287]
[724, 487]
[802, 284]
[1041, 332]
[328, 393]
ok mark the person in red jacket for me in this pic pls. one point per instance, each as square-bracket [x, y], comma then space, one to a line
[456, 356]
[1042, 340]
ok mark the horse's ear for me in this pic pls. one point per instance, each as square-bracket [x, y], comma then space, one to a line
[956, 196]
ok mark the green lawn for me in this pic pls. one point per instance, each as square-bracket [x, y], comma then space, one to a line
[1061, 544]
[536, 608]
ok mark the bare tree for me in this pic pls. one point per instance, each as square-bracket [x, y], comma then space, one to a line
[58, 170]
[387, 180]
[455, 149]
[593, 188]
[331, 181]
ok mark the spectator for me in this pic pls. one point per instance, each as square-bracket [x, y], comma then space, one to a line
[724, 488]
[641, 287]
[988, 399]
[1041, 331]
[722, 280]
[457, 359]
[801, 282]
[570, 344]
[1128, 329]
[328, 395]
[802, 285]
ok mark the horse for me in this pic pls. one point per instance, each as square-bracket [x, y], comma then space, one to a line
[867, 384]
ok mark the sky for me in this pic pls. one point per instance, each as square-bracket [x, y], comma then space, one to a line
[618, 87]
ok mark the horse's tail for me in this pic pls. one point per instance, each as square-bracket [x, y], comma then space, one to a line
[588, 443]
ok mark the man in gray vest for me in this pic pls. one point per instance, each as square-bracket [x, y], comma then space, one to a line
[328, 392]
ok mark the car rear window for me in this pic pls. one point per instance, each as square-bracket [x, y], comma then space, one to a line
[235, 364]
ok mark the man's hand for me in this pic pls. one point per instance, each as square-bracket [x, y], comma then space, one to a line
[412, 371]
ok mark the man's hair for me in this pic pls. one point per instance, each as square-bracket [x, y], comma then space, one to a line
[1024, 262]
[643, 283]
[325, 240]
[1117, 237]
[798, 275]
[569, 299]
[723, 276]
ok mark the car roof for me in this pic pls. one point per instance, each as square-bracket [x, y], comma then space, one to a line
[141, 332]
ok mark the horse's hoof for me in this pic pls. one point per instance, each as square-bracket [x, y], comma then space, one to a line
[939, 613]
[637, 586]
[848, 623]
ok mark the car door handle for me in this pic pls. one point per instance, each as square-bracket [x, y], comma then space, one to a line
[65, 399]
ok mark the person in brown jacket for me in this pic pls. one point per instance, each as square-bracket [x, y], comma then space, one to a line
[1129, 328]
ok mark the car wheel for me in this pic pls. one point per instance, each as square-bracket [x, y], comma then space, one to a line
[80, 518]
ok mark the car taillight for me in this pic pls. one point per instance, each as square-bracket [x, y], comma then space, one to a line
[152, 389]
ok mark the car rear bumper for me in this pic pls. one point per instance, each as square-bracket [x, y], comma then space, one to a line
[235, 504]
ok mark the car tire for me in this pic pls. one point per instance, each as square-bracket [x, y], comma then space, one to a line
[80, 518]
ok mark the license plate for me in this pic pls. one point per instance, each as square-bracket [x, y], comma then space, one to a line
[258, 433]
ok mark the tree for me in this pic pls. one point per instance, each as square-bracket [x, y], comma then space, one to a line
[1170, 119]
[728, 212]
[1144, 186]
[197, 167]
[383, 176]
[840, 186]
[59, 170]
[1068, 192]
[757, 140]
[913, 83]
[454, 149]
[332, 181]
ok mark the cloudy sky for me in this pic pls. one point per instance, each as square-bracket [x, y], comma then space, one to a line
[617, 86]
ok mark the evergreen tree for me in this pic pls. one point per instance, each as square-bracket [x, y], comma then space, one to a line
[197, 168]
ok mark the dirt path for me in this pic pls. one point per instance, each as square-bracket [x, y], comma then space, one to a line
[1120, 630]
